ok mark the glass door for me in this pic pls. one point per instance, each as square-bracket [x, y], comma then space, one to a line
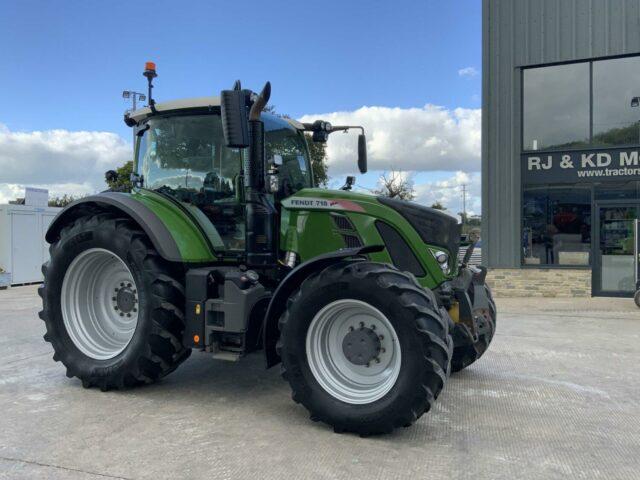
[615, 268]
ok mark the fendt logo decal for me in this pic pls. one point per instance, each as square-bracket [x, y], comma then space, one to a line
[303, 203]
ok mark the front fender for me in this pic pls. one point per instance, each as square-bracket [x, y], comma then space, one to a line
[290, 284]
[173, 234]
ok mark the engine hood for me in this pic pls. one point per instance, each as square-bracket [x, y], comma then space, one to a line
[433, 226]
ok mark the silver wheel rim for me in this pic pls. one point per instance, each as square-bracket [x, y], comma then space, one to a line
[336, 374]
[99, 303]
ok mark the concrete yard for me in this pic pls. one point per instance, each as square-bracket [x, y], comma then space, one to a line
[557, 396]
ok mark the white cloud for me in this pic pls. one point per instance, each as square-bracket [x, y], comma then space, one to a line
[411, 139]
[448, 192]
[468, 72]
[61, 160]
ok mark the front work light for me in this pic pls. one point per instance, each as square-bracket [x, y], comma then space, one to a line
[443, 260]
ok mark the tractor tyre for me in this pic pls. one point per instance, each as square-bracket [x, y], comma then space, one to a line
[466, 353]
[113, 309]
[364, 347]
[636, 298]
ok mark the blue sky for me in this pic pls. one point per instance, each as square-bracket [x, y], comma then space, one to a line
[65, 63]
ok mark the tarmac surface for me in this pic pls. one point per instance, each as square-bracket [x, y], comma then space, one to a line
[556, 396]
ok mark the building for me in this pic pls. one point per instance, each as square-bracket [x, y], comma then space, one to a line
[561, 143]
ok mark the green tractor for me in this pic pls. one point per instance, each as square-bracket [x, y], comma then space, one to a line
[225, 246]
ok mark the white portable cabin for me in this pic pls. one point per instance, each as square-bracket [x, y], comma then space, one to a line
[23, 248]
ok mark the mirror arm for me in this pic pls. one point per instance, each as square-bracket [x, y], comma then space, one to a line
[344, 128]
[310, 127]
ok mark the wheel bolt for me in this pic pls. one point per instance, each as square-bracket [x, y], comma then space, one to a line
[351, 329]
[122, 284]
[382, 350]
[373, 327]
[135, 310]
[129, 316]
[116, 308]
[368, 364]
[377, 360]
[121, 314]
[381, 337]
[129, 285]
[113, 298]
[361, 324]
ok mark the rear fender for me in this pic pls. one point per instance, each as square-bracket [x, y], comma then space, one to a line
[290, 284]
[141, 213]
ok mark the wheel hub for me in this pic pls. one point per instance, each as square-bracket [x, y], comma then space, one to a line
[361, 345]
[125, 299]
[353, 351]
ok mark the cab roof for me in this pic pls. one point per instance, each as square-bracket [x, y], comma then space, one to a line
[187, 104]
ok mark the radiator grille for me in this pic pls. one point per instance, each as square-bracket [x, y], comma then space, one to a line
[342, 223]
[351, 241]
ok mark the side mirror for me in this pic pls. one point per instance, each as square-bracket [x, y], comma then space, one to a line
[362, 153]
[235, 126]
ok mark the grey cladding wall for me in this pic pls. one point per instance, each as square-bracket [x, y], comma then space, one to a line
[518, 33]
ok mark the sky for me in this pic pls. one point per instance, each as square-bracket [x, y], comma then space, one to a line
[408, 70]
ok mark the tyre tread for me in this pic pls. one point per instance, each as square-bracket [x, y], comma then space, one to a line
[152, 362]
[430, 327]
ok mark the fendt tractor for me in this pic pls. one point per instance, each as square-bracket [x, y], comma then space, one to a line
[225, 245]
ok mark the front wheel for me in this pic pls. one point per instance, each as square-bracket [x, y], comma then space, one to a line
[364, 347]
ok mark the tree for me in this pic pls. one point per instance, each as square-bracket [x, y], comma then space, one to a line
[123, 182]
[438, 206]
[396, 184]
[62, 201]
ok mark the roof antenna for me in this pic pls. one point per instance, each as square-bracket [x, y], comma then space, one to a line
[150, 73]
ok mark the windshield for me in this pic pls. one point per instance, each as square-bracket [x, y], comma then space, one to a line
[187, 152]
[184, 152]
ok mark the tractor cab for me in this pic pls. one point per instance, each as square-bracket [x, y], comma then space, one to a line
[181, 153]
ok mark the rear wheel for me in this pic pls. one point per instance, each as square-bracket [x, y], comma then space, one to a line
[364, 347]
[465, 353]
[111, 305]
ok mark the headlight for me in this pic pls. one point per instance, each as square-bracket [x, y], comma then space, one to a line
[443, 260]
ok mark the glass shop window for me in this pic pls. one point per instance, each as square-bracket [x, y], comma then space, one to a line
[556, 226]
[616, 102]
[556, 107]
